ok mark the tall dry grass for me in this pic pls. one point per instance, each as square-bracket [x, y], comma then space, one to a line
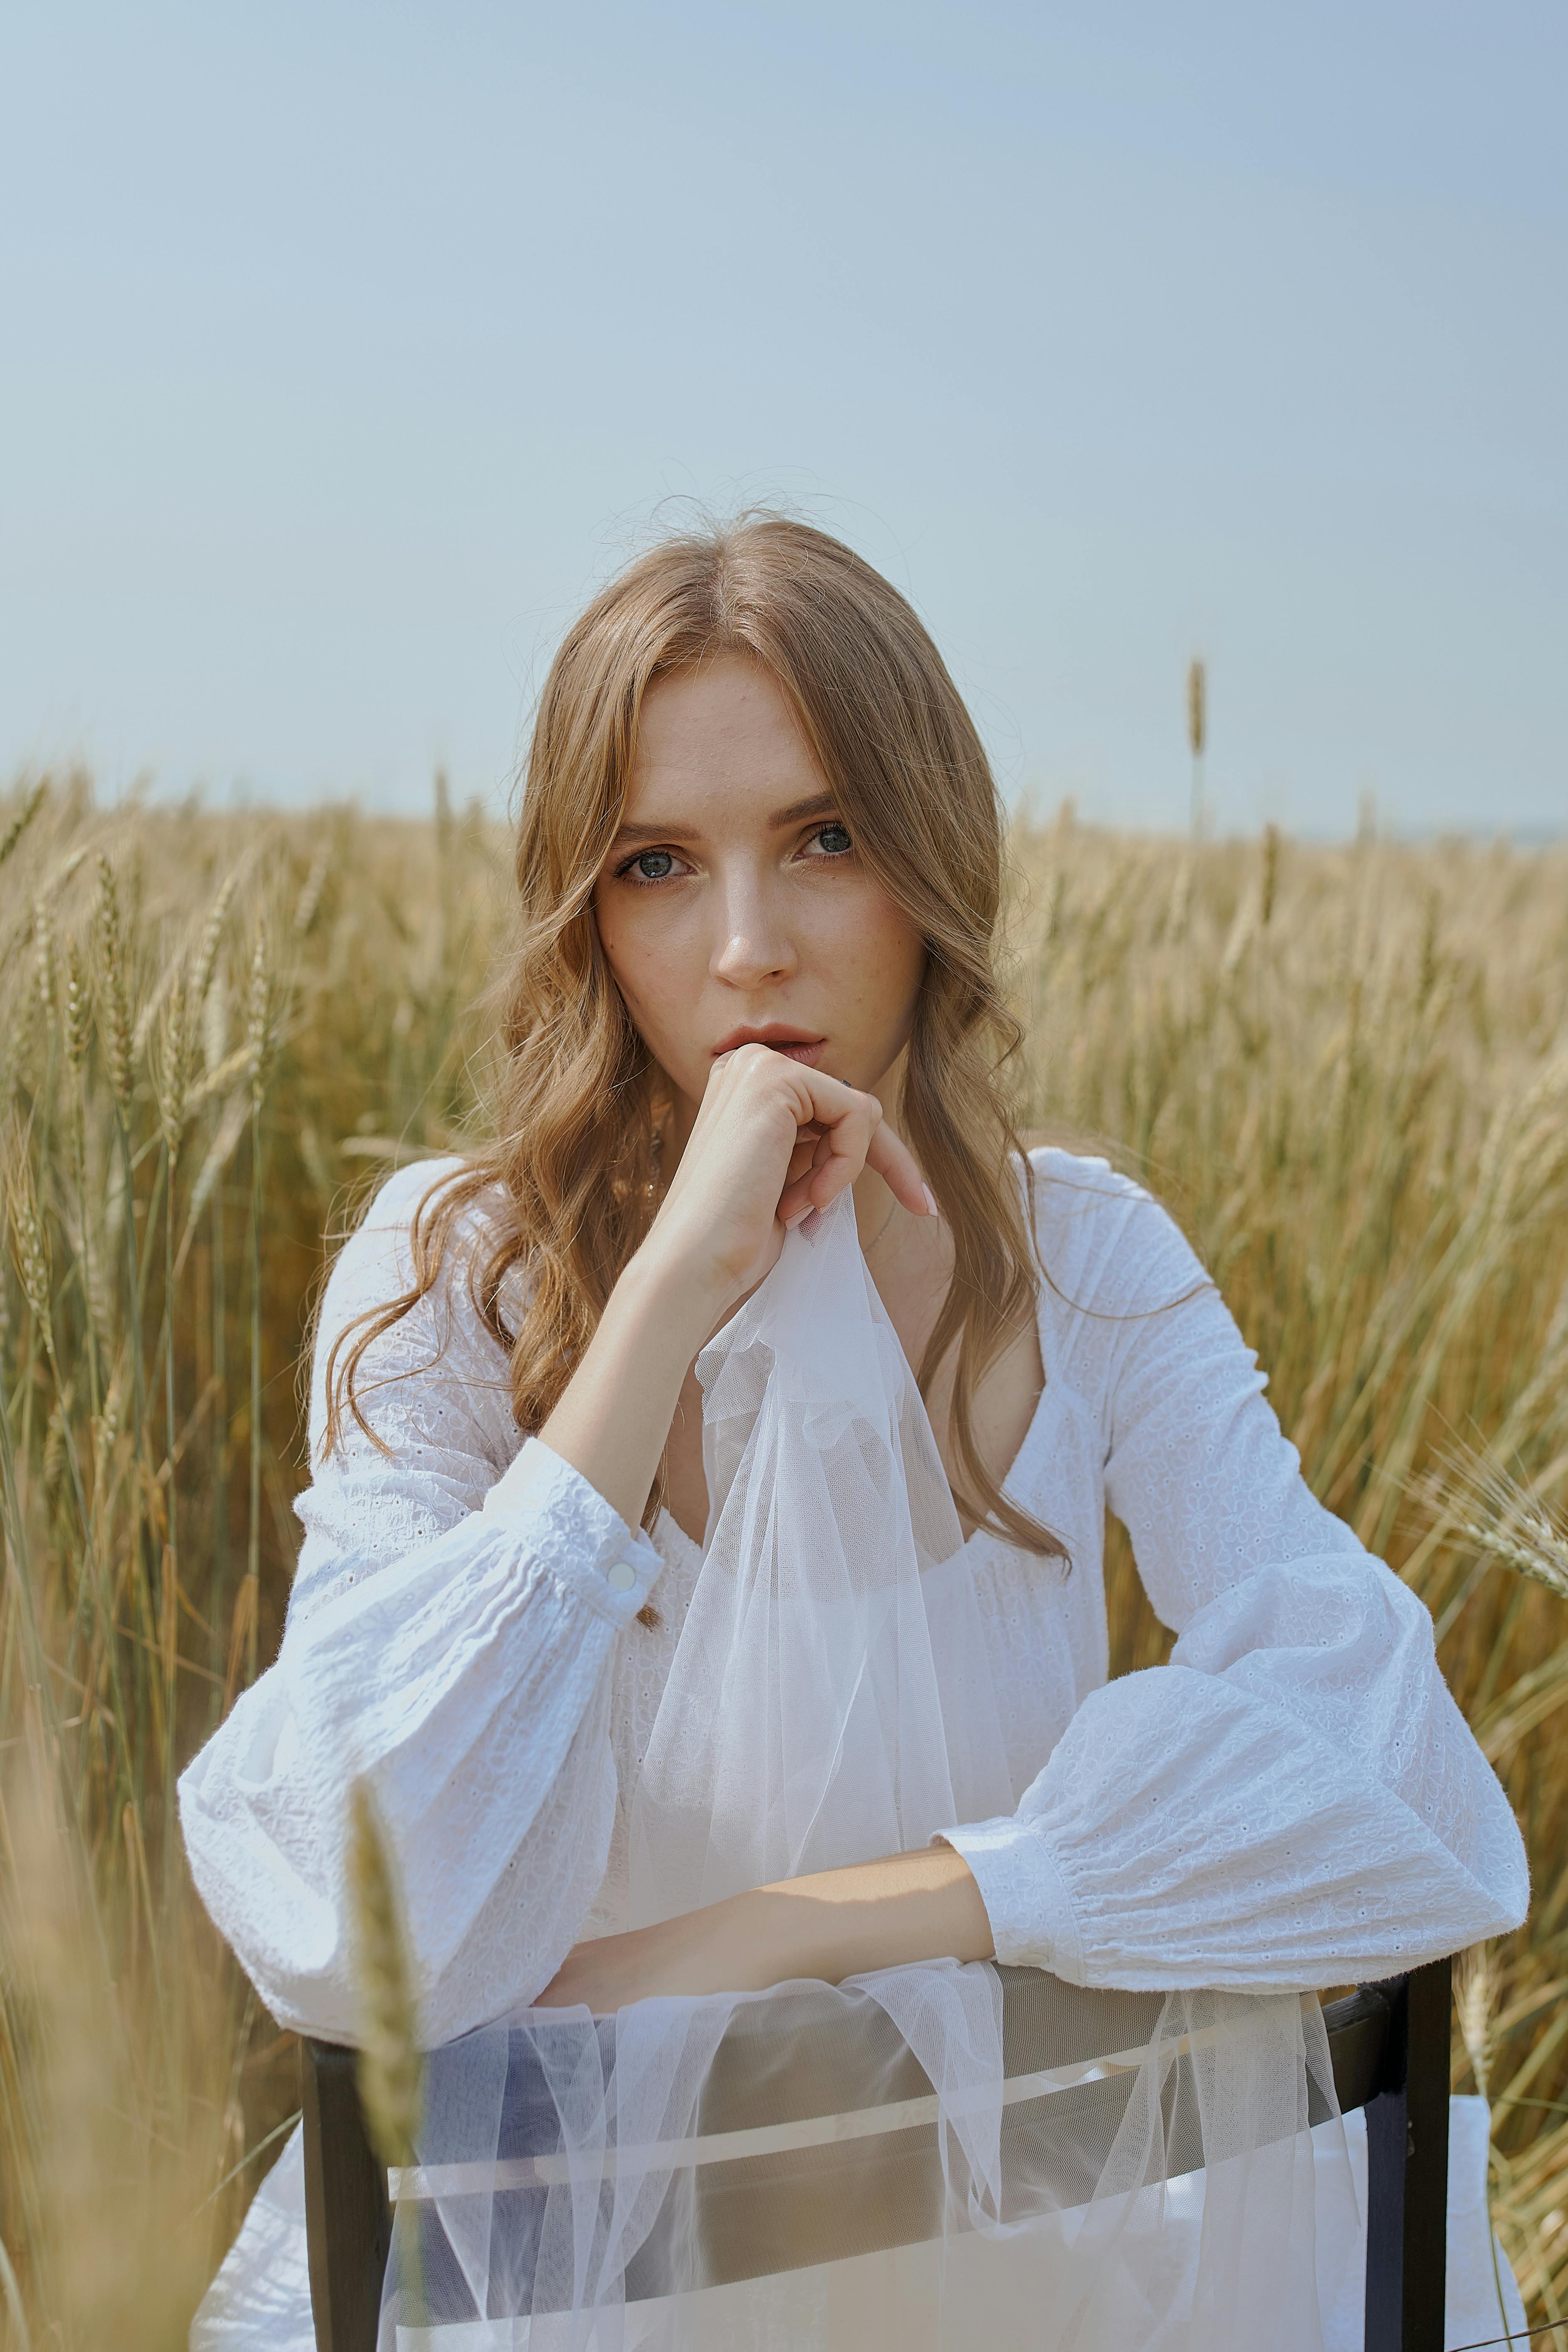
[1347, 1071]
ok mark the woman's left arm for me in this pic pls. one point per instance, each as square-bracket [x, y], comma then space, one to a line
[1294, 1800]
[831, 1925]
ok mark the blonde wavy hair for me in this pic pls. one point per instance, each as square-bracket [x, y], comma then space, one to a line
[580, 1106]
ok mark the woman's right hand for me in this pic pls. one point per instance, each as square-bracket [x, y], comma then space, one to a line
[772, 1140]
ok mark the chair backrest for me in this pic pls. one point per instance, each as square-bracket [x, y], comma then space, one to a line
[1389, 2044]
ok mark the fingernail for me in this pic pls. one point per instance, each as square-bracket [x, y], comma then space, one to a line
[799, 1218]
[931, 1209]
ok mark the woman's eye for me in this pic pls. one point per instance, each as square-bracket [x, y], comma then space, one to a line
[651, 865]
[833, 839]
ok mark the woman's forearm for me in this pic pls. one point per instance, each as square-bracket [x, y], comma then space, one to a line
[834, 1923]
[874, 1915]
[613, 1419]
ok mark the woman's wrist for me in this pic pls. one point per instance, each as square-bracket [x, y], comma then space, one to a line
[661, 1292]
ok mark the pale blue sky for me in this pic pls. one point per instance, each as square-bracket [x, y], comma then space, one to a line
[343, 348]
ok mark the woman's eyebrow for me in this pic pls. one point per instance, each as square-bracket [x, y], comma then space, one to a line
[815, 804]
[624, 833]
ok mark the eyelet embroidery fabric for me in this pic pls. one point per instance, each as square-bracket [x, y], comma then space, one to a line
[1292, 1801]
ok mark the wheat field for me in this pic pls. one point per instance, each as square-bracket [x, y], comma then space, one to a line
[1344, 1069]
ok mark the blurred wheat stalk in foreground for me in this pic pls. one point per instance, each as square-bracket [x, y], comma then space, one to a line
[1346, 1071]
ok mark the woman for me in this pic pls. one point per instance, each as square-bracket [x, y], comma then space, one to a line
[759, 868]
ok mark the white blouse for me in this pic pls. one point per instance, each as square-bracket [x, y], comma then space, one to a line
[1293, 1800]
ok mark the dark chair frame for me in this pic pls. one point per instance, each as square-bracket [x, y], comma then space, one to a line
[1389, 2043]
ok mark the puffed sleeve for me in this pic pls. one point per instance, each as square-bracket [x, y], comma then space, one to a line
[450, 1632]
[1294, 1800]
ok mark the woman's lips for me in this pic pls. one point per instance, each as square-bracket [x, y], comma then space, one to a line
[808, 1050]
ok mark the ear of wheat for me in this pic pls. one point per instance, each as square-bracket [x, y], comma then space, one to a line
[114, 1000]
[1197, 736]
[1473, 1496]
[31, 804]
[391, 2069]
[1197, 710]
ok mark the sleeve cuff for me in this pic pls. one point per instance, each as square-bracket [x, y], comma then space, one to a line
[1033, 1923]
[574, 1533]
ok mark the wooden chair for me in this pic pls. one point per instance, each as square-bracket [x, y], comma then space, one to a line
[1389, 2043]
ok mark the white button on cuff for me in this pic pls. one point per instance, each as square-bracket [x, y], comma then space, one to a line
[621, 1577]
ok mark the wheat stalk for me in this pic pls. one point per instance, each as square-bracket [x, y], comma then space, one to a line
[205, 963]
[78, 1009]
[261, 1017]
[1474, 2004]
[1197, 708]
[32, 803]
[1271, 878]
[30, 1242]
[174, 1066]
[44, 957]
[310, 896]
[114, 997]
[1473, 2007]
[391, 2068]
[1197, 736]
[1470, 1493]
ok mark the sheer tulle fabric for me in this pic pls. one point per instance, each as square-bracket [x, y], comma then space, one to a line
[805, 1723]
[929, 2156]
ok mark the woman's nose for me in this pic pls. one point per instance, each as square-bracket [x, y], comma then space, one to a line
[753, 943]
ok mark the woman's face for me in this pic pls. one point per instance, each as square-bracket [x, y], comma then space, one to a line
[734, 905]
